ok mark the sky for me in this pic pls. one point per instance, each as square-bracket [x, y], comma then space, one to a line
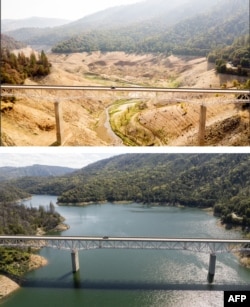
[78, 157]
[74, 157]
[71, 10]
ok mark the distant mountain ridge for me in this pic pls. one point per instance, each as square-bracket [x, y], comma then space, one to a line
[32, 22]
[139, 27]
[10, 43]
[111, 17]
[8, 173]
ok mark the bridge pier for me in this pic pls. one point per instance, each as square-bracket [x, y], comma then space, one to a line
[77, 280]
[59, 123]
[202, 125]
[211, 269]
[75, 260]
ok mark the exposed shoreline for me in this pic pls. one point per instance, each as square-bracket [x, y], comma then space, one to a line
[8, 286]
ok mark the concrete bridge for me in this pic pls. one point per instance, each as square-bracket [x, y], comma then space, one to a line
[75, 244]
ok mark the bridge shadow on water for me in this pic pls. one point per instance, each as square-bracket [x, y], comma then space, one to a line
[65, 282]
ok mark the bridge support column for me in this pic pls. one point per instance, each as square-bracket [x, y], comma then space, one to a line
[75, 260]
[211, 269]
[202, 125]
[59, 123]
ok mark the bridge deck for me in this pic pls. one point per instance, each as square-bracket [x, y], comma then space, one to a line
[127, 89]
[95, 242]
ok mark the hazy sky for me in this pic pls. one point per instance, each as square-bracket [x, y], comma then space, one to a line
[75, 157]
[71, 9]
[78, 157]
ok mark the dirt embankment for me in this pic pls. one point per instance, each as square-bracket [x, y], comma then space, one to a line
[164, 119]
[8, 286]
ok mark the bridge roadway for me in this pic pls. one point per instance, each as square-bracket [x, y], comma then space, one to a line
[126, 89]
[76, 243]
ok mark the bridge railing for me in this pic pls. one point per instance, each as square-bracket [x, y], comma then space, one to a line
[87, 243]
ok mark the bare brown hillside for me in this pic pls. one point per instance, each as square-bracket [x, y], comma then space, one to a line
[138, 119]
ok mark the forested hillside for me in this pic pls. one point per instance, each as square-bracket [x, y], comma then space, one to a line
[196, 35]
[237, 54]
[9, 193]
[10, 43]
[21, 220]
[116, 17]
[207, 180]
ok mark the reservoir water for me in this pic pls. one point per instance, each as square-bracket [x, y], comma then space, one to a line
[131, 278]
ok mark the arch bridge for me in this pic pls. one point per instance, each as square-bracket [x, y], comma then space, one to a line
[77, 243]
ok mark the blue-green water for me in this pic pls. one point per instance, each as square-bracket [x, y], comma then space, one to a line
[132, 277]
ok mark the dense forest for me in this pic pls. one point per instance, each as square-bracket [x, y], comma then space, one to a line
[217, 181]
[9, 193]
[15, 69]
[21, 220]
[18, 219]
[237, 54]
